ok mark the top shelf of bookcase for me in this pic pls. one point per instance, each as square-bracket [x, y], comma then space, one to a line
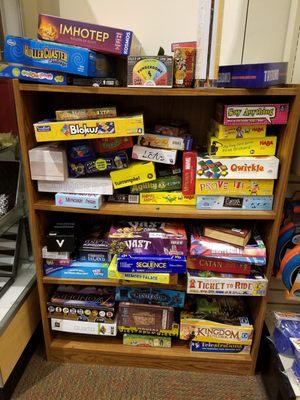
[290, 90]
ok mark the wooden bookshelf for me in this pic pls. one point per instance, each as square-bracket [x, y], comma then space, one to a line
[196, 106]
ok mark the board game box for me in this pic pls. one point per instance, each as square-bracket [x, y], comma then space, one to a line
[78, 270]
[257, 203]
[163, 297]
[103, 299]
[242, 147]
[131, 339]
[237, 131]
[91, 185]
[218, 265]
[173, 332]
[147, 316]
[47, 130]
[228, 348]
[167, 183]
[108, 145]
[148, 237]
[214, 283]
[32, 74]
[113, 273]
[254, 252]
[162, 156]
[237, 168]
[57, 57]
[80, 314]
[233, 187]
[189, 165]
[260, 75]
[87, 201]
[54, 255]
[174, 198]
[94, 248]
[85, 113]
[151, 263]
[103, 39]
[166, 142]
[150, 71]
[124, 198]
[137, 172]
[84, 327]
[252, 114]
[217, 320]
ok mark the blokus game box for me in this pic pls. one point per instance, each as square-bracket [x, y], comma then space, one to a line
[237, 168]
[32, 74]
[48, 131]
[148, 237]
[233, 187]
[252, 114]
[54, 56]
[206, 282]
[147, 316]
[258, 203]
[217, 320]
[100, 38]
[163, 297]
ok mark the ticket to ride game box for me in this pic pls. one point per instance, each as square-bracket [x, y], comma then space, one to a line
[57, 57]
[47, 130]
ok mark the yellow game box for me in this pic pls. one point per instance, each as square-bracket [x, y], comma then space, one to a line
[176, 198]
[234, 187]
[237, 131]
[46, 131]
[137, 172]
[113, 273]
[242, 147]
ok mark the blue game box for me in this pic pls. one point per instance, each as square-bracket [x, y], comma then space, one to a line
[54, 56]
[151, 263]
[32, 74]
[253, 75]
[78, 270]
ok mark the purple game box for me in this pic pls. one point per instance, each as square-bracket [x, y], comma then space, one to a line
[148, 237]
[95, 37]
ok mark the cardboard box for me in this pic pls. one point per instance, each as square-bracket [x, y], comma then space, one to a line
[261, 75]
[252, 114]
[150, 71]
[242, 147]
[237, 131]
[170, 298]
[46, 131]
[147, 316]
[173, 332]
[48, 163]
[84, 314]
[94, 248]
[155, 155]
[32, 74]
[112, 144]
[237, 168]
[124, 198]
[55, 255]
[189, 164]
[217, 320]
[138, 172]
[87, 201]
[225, 348]
[174, 198]
[184, 63]
[57, 57]
[78, 270]
[86, 113]
[151, 263]
[113, 273]
[166, 142]
[256, 203]
[81, 186]
[62, 236]
[95, 82]
[233, 187]
[220, 284]
[168, 183]
[130, 339]
[148, 238]
[83, 327]
[100, 38]
[218, 265]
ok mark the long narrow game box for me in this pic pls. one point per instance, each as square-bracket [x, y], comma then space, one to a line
[136, 173]
[165, 184]
[242, 147]
[173, 332]
[226, 348]
[136, 340]
[84, 327]
[164, 297]
[91, 185]
[257, 203]
[174, 198]
[240, 131]
[151, 263]
[166, 142]
[162, 156]
[235, 187]
[218, 265]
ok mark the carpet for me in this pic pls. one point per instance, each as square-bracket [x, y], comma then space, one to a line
[44, 380]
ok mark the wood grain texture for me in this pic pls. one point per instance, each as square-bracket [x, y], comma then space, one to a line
[282, 91]
[112, 351]
[163, 211]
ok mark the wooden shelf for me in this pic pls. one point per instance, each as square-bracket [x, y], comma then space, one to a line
[110, 282]
[112, 351]
[280, 91]
[155, 211]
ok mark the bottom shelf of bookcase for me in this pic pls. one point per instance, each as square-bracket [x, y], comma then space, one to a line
[111, 351]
